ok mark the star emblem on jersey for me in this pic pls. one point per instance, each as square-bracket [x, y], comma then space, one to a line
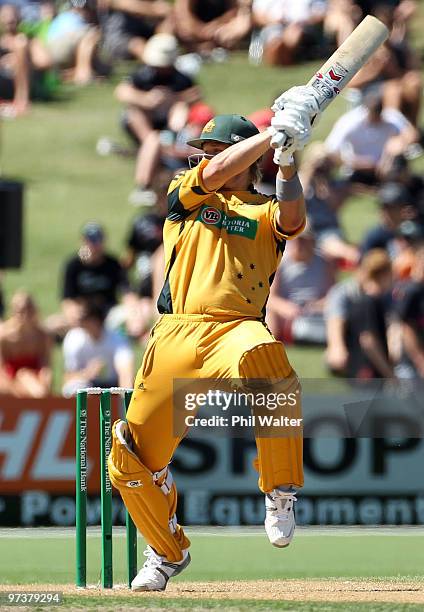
[240, 275]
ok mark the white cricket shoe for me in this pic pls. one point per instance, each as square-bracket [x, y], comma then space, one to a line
[279, 519]
[156, 571]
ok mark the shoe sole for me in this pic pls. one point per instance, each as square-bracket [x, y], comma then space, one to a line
[281, 545]
[291, 535]
[177, 571]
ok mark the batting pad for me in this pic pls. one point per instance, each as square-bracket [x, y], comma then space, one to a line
[265, 369]
[150, 498]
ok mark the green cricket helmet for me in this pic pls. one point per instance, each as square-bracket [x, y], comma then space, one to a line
[228, 129]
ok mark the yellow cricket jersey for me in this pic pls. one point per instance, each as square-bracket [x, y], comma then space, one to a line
[221, 249]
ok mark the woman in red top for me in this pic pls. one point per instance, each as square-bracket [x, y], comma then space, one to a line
[25, 349]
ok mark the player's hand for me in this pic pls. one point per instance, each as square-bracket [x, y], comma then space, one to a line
[283, 158]
[290, 130]
[302, 98]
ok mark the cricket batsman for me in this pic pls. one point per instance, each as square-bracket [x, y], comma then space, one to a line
[223, 242]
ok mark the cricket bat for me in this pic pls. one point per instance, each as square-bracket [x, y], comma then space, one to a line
[347, 60]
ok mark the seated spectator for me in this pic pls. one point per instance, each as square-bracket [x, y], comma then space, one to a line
[367, 139]
[395, 67]
[402, 10]
[356, 312]
[324, 196]
[410, 309]
[128, 24]
[286, 26]
[137, 315]
[157, 97]
[296, 305]
[45, 79]
[341, 19]
[410, 234]
[71, 41]
[93, 276]
[413, 182]
[135, 312]
[174, 147]
[144, 238]
[95, 356]
[394, 201]
[15, 72]
[25, 351]
[203, 25]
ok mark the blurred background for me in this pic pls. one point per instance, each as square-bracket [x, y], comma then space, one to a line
[97, 100]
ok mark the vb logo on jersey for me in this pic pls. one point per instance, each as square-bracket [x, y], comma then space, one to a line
[242, 226]
[211, 216]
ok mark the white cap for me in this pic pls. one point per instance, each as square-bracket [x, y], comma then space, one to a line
[160, 51]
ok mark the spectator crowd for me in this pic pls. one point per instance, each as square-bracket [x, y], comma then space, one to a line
[363, 303]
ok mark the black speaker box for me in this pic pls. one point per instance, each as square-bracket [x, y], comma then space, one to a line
[11, 223]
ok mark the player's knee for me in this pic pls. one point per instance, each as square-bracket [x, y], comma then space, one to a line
[265, 363]
[126, 471]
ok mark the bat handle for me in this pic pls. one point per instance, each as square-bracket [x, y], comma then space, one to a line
[281, 140]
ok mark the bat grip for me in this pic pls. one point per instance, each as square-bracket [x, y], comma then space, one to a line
[281, 140]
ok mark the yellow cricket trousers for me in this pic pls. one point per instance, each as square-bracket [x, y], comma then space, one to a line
[198, 346]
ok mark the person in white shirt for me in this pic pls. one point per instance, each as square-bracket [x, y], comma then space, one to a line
[367, 139]
[95, 356]
[285, 25]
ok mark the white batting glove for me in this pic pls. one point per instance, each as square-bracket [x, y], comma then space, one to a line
[283, 158]
[290, 130]
[302, 98]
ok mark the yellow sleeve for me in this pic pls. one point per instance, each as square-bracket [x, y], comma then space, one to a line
[279, 235]
[187, 192]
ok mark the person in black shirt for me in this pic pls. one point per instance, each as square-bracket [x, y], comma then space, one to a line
[144, 238]
[139, 309]
[127, 24]
[203, 25]
[157, 97]
[394, 200]
[92, 276]
[356, 321]
[410, 308]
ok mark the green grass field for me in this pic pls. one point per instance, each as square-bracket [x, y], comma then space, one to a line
[358, 567]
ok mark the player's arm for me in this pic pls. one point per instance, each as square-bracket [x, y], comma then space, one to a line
[290, 130]
[235, 160]
[291, 213]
